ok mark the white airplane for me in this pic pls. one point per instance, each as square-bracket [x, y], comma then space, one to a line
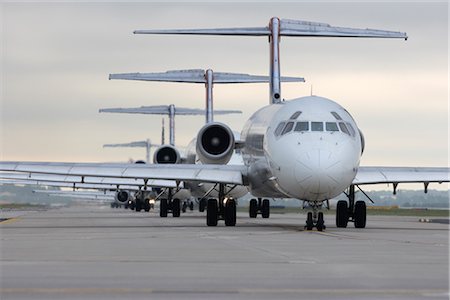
[207, 77]
[307, 148]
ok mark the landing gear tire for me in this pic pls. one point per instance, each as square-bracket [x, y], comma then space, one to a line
[341, 214]
[253, 208]
[201, 205]
[176, 208]
[360, 214]
[320, 223]
[265, 209]
[212, 212]
[191, 206]
[132, 205]
[147, 205]
[184, 207]
[230, 213]
[163, 208]
[309, 221]
[138, 205]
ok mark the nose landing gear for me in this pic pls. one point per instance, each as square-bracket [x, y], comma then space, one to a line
[315, 217]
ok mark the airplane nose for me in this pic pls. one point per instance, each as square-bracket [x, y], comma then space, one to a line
[317, 173]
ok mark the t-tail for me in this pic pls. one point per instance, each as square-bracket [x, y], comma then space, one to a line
[278, 28]
[206, 77]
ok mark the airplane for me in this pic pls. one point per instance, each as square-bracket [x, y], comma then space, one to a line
[199, 76]
[138, 144]
[308, 148]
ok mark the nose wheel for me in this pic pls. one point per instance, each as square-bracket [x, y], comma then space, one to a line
[315, 219]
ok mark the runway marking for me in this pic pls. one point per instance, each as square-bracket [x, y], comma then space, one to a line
[90, 291]
[8, 221]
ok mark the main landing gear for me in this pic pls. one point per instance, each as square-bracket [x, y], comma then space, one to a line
[221, 209]
[169, 205]
[259, 206]
[354, 212]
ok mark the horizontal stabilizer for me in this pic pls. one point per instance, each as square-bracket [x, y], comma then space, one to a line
[143, 144]
[288, 28]
[198, 76]
[164, 110]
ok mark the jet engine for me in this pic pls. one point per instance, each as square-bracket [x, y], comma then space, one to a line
[123, 196]
[215, 144]
[166, 154]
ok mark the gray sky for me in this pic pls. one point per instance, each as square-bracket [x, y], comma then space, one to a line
[56, 58]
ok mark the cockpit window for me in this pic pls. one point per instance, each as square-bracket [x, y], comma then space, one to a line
[335, 114]
[279, 128]
[350, 128]
[301, 126]
[295, 115]
[287, 128]
[331, 126]
[316, 126]
[344, 128]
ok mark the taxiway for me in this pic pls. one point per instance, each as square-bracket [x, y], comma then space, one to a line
[102, 253]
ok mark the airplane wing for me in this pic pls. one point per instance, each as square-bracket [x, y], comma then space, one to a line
[395, 175]
[79, 180]
[71, 185]
[227, 174]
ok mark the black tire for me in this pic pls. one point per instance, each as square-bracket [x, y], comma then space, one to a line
[253, 208]
[202, 205]
[230, 213]
[360, 214]
[320, 222]
[132, 205]
[265, 209]
[138, 206]
[163, 208]
[191, 206]
[147, 205]
[184, 207]
[176, 208]
[309, 221]
[211, 212]
[341, 214]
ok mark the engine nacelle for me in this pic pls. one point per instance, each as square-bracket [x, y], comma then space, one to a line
[215, 144]
[123, 196]
[166, 154]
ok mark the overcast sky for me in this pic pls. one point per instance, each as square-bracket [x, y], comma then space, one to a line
[56, 58]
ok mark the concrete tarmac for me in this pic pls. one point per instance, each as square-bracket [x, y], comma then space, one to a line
[97, 252]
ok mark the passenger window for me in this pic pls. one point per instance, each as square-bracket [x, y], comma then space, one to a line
[302, 126]
[279, 128]
[344, 128]
[288, 128]
[350, 128]
[316, 126]
[335, 114]
[295, 115]
[331, 126]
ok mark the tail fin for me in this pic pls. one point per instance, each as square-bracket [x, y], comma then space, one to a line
[278, 28]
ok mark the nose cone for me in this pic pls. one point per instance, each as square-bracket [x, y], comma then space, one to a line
[319, 174]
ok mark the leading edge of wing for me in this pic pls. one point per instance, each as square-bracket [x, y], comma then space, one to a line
[227, 174]
[376, 175]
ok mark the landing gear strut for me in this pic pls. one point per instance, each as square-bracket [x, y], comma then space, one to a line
[261, 206]
[355, 212]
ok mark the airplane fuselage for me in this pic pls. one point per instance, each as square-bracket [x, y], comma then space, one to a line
[307, 148]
